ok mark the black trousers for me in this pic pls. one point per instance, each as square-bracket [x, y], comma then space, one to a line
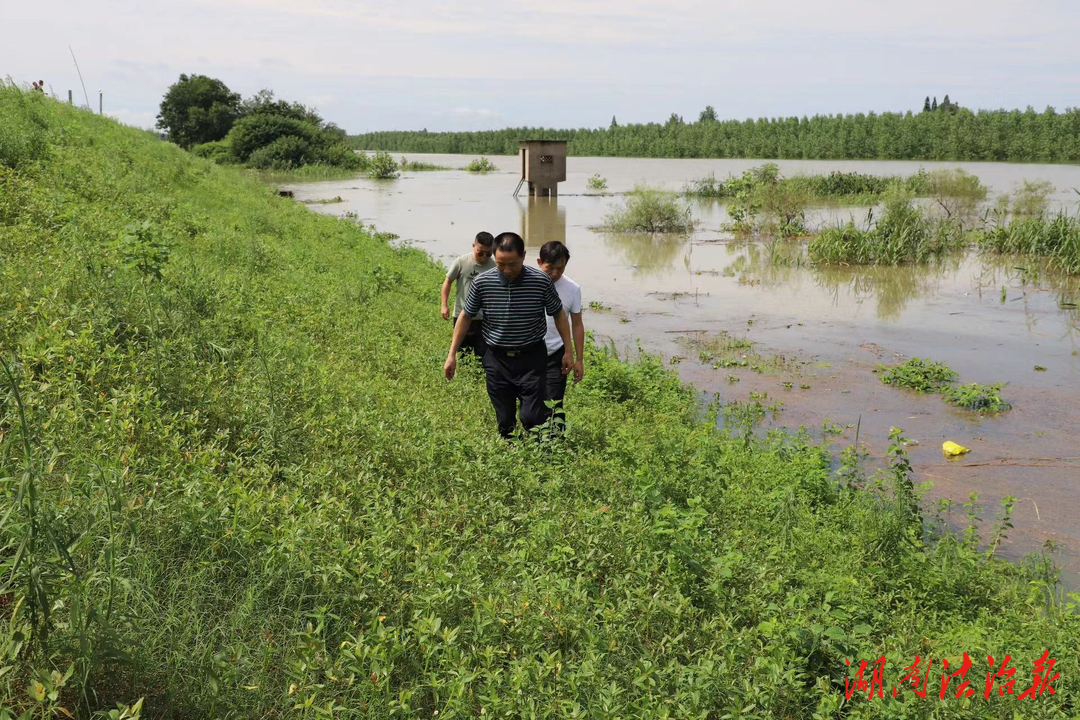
[517, 374]
[474, 339]
[556, 384]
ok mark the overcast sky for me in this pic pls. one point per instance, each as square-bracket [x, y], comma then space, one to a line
[483, 64]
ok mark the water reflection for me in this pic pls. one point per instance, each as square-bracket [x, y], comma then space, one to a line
[649, 254]
[542, 220]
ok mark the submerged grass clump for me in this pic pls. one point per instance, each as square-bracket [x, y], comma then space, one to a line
[481, 165]
[233, 485]
[925, 376]
[904, 234]
[407, 165]
[1057, 239]
[977, 397]
[648, 210]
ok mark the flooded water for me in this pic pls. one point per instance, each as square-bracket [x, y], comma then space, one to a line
[818, 333]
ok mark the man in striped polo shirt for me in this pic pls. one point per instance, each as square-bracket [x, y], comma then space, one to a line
[515, 300]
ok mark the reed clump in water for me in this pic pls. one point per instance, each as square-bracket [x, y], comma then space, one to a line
[1057, 239]
[904, 234]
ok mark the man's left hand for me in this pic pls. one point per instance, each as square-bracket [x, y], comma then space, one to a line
[579, 371]
[567, 363]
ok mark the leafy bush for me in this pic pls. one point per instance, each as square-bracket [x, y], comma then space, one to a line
[955, 192]
[981, 398]
[381, 166]
[481, 165]
[925, 376]
[218, 151]
[1032, 198]
[648, 210]
[596, 183]
[285, 153]
[258, 131]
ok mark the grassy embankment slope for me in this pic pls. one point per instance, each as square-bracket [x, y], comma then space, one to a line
[238, 483]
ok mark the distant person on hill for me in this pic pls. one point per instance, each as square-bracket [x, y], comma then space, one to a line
[515, 300]
[553, 259]
[463, 272]
[39, 88]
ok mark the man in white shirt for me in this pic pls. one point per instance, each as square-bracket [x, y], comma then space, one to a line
[553, 259]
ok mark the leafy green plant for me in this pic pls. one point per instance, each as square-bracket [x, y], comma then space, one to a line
[597, 183]
[648, 210]
[925, 376]
[481, 165]
[978, 397]
[381, 166]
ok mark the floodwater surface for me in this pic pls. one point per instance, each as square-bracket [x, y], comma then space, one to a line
[816, 334]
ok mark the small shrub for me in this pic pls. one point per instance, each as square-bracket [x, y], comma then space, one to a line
[981, 398]
[956, 192]
[1032, 198]
[597, 182]
[649, 210]
[481, 165]
[924, 376]
[257, 131]
[285, 153]
[381, 166]
[217, 151]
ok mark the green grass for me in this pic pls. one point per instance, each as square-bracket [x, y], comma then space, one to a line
[1057, 239]
[236, 485]
[407, 165]
[847, 187]
[306, 173]
[904, 234]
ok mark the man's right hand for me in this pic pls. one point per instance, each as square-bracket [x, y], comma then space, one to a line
[450, 367]
[445, 312]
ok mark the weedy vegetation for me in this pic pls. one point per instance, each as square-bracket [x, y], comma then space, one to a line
[233, 485]
[481, 165]
[406, 165]
[904, 234]
[649, 210]
[597, 183]
[974, 396]
[925, 376]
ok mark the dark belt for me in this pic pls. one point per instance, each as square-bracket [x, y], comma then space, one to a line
[518, 351]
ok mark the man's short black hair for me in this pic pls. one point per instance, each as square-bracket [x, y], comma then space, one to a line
[553, 251]
[510, 242]
[485, 238]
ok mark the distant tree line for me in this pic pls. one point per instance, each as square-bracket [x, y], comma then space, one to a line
[942, 132]
[202, 115]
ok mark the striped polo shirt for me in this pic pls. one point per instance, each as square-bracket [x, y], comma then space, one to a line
[514, 312]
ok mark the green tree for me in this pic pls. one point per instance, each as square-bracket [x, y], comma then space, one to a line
[926, 104]
[263, 103]
[198, 109]
[614, 123]
[708, 114]
[934, 106]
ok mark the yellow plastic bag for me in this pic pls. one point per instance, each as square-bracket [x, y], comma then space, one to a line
[952, 450]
